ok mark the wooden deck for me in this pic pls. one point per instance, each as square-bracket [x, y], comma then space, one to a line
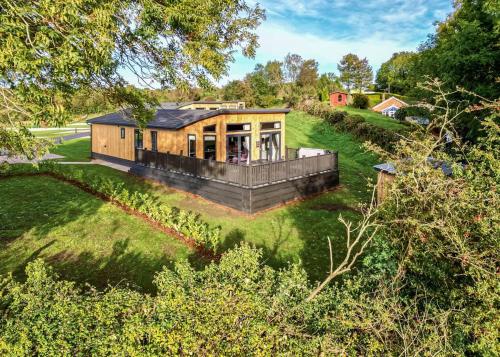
[249, 188]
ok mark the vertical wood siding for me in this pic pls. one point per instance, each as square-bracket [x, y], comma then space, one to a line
[106, 140]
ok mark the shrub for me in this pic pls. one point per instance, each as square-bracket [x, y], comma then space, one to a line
[412, 111]
[360, 101]
[352, 123]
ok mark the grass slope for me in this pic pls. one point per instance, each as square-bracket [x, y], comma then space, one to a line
[297, 232]
[84, 238]
[376, 118]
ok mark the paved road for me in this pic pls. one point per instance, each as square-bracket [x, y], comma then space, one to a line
[72, 136]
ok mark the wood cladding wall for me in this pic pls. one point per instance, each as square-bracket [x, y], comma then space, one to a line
[176, 142]
[106, 140]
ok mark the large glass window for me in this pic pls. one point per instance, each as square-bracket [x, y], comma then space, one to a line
[209, 147]
[154, 141]
[238, 149]
[192, 145]
[138, 139]
[270, 147]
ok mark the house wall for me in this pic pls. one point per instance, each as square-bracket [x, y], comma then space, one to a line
[384, 182]
[389, 102]
[106, 138]
[334, 99]
[176, 142]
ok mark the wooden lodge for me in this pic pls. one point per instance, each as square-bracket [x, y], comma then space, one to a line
[235, 157]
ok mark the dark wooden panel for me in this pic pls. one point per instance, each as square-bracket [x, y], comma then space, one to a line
[245, 199]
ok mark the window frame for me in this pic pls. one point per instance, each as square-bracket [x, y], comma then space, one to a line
[209, 126]
[122, 133]
[154, 143]
[249, 130]
[270, 122]
[215, 141]
[189, 146]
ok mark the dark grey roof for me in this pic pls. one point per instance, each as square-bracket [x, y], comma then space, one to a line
[174, 119]
[390, 169]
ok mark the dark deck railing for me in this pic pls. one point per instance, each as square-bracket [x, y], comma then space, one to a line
[252, 175]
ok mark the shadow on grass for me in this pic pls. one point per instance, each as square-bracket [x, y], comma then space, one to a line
[82, 237]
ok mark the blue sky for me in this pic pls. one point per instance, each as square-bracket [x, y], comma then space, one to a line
[327, 29]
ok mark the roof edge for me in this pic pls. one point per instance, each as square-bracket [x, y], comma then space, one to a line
[208, 115]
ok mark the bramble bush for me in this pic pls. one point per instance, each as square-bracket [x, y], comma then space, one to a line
[352, 123]
[184, 222]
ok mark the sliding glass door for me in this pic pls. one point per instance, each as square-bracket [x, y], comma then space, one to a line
[270, 146]
[238, 149]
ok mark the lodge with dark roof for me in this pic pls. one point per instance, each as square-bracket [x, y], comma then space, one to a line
[232, 156]
[237, 136]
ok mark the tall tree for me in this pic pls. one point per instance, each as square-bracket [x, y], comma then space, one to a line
[292, 65]
[464, 52]
[395, 74]
[308, 74]
[274, 73]
[355, 72]
[327, 83]
[238, 90]
[50, 49]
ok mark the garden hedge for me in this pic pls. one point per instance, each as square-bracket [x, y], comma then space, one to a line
[354, 124]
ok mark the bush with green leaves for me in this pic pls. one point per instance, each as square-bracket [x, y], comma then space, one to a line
[352, 123]
[412, 111]
[360, 101]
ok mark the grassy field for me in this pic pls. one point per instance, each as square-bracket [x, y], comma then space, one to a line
[376, 118]
[84, 238]
[296, 232]
[75, 150]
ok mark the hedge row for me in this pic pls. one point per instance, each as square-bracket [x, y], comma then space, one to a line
[352, 123]
[187, 223]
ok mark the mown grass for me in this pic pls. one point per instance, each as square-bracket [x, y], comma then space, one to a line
[84, 238]
[293, 233]
[76, 150]
[376, 118]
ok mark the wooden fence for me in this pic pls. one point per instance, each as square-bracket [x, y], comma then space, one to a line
[253, 175]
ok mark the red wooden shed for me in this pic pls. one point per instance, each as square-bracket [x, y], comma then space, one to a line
[338, 99]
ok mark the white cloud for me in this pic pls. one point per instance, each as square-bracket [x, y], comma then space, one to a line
[276, 41]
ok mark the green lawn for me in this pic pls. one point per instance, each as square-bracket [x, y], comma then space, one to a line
[58, 133]
[84, 238]
[376, 118]
[73, 150]
[297, 232]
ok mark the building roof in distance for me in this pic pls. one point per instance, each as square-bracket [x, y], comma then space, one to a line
[174, 119]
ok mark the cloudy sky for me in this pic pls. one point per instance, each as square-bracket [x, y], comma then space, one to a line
[327, 29]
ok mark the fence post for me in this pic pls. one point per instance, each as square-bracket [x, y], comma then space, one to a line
[317, 163]
[250, 175]
[156, 159]
[287, 167]
[303, 165]
[269, 173]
